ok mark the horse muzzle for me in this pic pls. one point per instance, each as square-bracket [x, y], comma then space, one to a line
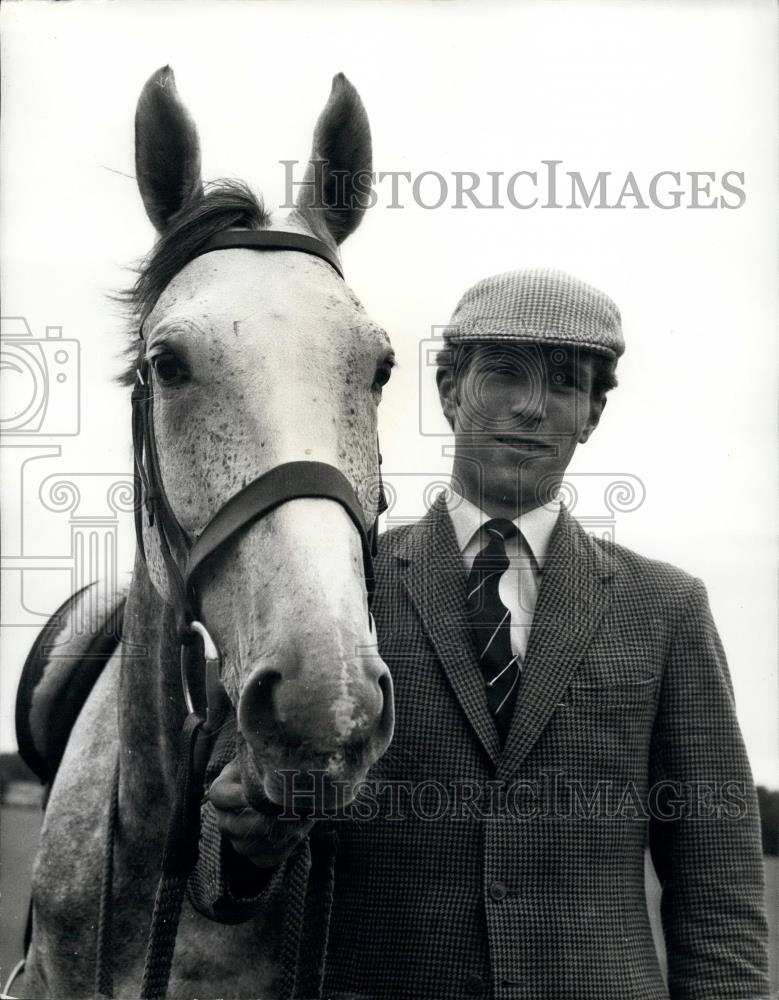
[310, 740]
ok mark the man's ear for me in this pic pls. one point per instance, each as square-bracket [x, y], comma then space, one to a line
[597, 407]
[447, 393]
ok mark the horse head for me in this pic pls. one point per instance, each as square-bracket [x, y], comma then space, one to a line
[255, 360]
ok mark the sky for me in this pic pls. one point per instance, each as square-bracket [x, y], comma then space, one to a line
[639, 91]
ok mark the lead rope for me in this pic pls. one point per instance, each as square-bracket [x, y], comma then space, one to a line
[315, 932]
[296, 885]
[178, 858]
[309, 885]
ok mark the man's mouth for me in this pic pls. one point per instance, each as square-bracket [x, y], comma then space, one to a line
[526, 444]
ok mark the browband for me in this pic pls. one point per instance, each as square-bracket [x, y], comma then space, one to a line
[271, 239]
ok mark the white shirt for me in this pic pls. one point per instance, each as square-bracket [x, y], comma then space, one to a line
[518, 587]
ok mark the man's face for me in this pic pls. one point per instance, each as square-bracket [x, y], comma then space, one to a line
[518, 413]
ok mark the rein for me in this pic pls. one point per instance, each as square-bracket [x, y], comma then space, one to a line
[201, 662]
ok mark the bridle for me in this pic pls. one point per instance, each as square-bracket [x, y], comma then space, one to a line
[279, 485]
[201, 661]
[290, 481]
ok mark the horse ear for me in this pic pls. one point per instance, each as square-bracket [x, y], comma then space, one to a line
[336, 188]
[167, 150]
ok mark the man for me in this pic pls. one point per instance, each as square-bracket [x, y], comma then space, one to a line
[567, 700]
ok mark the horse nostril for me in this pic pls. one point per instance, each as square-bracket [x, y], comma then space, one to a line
[256, 710]
[290, 716]
[387, 721]
[353, 752]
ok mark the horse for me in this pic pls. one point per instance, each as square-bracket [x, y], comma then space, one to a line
[253, 359]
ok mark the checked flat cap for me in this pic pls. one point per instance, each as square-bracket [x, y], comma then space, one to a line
[538, 306]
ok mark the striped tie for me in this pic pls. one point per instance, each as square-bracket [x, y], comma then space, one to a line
[490, 622]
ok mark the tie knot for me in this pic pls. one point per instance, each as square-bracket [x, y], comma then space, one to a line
[500, 528]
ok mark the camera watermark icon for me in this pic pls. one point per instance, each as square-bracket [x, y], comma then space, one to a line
[598, 499]
[40, 564]
[41, 381]
[410, 494]
[96, 506]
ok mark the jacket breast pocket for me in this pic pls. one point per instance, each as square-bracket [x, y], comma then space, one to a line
[624, 694]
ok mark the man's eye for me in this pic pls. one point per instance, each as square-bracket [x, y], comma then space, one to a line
[168, 368]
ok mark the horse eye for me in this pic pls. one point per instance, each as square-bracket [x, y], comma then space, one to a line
[167, 368]
[383, 373]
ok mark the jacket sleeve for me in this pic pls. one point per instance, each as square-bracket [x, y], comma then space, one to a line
[224, 886]
[705, 827]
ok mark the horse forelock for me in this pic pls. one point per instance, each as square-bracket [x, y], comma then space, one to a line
[226, 204]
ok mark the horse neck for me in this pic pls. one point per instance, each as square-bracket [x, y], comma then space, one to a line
[151, 706]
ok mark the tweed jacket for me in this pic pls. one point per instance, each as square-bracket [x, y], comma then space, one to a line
[470, 870]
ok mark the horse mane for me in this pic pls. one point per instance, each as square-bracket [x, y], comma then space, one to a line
[225, 204]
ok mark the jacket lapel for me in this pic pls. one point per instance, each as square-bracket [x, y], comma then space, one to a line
[435, 581]
[571, 602]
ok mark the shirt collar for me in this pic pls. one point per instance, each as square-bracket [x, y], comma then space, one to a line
[536, 526]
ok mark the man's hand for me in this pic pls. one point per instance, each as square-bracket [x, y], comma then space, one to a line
[264, 840]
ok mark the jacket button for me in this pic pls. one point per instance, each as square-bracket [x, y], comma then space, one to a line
[498, 891]
[474, 985]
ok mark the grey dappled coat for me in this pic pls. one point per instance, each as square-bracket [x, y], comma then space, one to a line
[471, 871]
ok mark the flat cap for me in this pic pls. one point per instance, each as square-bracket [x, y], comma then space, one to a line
[538, 306]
